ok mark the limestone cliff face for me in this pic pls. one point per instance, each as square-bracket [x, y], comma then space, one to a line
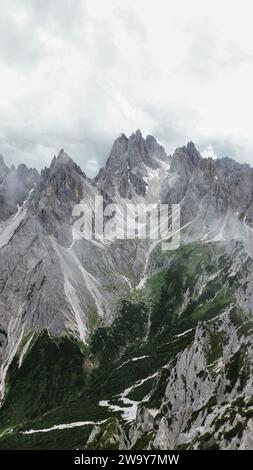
[201, 398]
[129, 166]
[206, 404]
[54, 279]
[207, 400]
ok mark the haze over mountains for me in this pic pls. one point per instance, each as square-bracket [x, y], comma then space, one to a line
[189, 311]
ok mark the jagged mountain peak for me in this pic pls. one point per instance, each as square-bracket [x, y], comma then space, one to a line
[24, 172]
[136, 135]
[63, 157]
[134, 146]
[130, 163]
[59, 188]
[185, 158]
[61, 166]
[191, 151]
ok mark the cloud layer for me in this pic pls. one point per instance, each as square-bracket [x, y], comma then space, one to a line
[77, 73]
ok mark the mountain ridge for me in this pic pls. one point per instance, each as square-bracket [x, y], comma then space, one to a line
[121, 303]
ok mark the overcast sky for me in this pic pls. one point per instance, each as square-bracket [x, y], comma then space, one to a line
[77, 73]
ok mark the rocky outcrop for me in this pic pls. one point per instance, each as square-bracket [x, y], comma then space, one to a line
[109, 435]
[207, 402]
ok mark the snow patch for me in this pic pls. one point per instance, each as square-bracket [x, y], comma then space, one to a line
[134, 359]
[130, 410]
[64, 426]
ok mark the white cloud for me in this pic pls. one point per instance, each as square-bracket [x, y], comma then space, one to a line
[76, 73]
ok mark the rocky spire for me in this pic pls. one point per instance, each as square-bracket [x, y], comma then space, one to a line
[185, 158]
[129, 164]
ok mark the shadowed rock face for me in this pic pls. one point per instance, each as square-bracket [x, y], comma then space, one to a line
[53, 279]
[128, 165]
[59, 189]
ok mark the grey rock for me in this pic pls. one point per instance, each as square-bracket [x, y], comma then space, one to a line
[53, 279]
[128, 164]
[15, 187]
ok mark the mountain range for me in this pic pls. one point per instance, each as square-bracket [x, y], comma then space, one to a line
[119, 344]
